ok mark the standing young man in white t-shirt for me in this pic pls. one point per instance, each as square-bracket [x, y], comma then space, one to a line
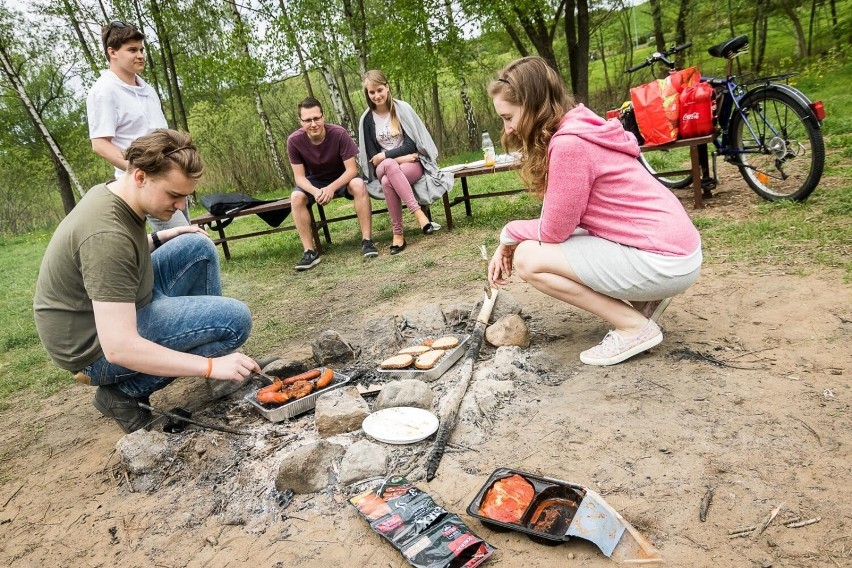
[121, 106]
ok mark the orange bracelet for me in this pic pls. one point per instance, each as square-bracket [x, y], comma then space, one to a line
[209, 368]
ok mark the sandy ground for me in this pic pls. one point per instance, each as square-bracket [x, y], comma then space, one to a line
[749, 395]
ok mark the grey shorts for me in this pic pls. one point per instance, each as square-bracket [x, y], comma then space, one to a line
[624, 272]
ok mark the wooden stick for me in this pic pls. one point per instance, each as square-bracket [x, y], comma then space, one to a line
[765, 523]
[450, 406]
[803, 523]
[705, 504]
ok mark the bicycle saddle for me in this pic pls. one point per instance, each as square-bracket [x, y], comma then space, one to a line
[730, 48]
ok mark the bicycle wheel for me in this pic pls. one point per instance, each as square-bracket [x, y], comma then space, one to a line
[669, 161]
[780, 146]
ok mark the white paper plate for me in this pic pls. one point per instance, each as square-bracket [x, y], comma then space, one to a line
[454, 168]
[400, 425]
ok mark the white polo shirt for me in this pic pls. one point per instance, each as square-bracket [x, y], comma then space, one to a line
[122, 112]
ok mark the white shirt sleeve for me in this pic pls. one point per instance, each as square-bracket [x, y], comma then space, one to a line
[100, 110]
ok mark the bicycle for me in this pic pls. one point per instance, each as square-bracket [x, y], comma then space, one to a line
[770, 130]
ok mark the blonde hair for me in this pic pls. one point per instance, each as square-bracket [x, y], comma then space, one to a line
[374, 77]
[163, 150]
[533, 85]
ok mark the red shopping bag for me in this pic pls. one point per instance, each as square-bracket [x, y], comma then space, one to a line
[657, 105]
[697, 107]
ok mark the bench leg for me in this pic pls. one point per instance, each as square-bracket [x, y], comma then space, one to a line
[324, 223]
[448, 212]
[221, 231]
[698, 201]
[315, 231]
[466, 197]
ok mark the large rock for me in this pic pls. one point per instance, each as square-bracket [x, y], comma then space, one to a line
[457, 314]
[306, 469]
[339, 411]
[427, 319]
[380, 338]
[363, 460]
[286, 368]
[407, 392]
[508, 330]
[331, 350]
[484, 397]
[143, 451]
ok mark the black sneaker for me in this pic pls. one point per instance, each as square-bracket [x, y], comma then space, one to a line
[309, 260]
[368, 249]
[113, 403]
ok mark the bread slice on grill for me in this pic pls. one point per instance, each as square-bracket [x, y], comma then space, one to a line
[415, 350]
[429, 359]
[446, 342]
[398, 361]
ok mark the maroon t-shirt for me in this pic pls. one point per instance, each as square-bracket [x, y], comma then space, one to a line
[323, 160]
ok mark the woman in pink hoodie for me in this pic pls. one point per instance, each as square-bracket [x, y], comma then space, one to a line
[611, 239]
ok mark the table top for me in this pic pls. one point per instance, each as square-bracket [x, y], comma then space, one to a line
[476, 170]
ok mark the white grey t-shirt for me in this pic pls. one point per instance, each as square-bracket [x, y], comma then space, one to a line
[122, 112]
[384, 137]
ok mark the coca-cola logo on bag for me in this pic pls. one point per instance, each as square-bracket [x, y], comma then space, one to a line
[691, 116]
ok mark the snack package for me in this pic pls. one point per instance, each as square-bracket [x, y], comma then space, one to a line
[657, 105]
[423, 531]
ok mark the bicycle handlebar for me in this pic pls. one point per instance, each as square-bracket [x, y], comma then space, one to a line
[657, 56]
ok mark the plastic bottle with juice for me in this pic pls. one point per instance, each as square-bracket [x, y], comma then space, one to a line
[488, 151]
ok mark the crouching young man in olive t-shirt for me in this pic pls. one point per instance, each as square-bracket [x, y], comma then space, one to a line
[127, 311]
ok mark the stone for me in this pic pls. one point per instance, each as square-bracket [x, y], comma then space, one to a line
[307, 468]
[406, 392]
[484, 398]
[380, 339]
[505, 305]
[457, 314]
[143, 451]
[363, 460]
[220, 389]
[286, 368]
[426, 319]
[508, 330]
[331, 350]
[339, 411]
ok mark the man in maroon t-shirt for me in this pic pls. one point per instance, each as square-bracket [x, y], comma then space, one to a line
[323, 160]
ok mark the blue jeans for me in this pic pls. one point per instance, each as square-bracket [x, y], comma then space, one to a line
[187, 314]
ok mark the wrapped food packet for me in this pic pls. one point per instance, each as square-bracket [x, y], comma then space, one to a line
[423, 531]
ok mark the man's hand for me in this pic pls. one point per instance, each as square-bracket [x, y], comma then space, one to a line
[324, 195]
[233, 367]
[169, 234]
[501, 263]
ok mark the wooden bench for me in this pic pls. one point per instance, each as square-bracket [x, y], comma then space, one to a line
[695, 170]
[218, 223]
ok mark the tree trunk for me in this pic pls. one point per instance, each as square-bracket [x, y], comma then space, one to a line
[166, 47]
[344, 88]
[84, 45]
[680, 31]
[151, 62]
[358, 29]
[337, 102]
[291, 39]
[657, 17]
[759, 29]
[68, 180]
[577, 39]
[258, 101]
[515, 37]
[536, 29]
[469, 117]
[603, 63]
[801, 43]
[457, 61]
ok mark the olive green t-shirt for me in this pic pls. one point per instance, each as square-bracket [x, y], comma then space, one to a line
[99, 252]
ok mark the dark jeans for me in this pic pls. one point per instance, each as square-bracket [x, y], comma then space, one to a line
[187, 314]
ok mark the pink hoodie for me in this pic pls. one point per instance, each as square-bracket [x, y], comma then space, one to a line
[595, 183]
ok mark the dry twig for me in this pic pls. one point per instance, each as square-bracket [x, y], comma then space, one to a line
[705, 504]
[765, 523]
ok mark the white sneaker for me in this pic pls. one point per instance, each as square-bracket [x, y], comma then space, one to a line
[616, 348]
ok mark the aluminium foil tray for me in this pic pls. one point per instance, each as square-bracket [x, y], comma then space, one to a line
[296, 407]
[447, 361]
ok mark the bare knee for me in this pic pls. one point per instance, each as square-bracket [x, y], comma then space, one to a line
[357, 189]
[525, 260]
[299, 200]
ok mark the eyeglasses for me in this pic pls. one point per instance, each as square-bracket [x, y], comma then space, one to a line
[114, 25]
[316, 120]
